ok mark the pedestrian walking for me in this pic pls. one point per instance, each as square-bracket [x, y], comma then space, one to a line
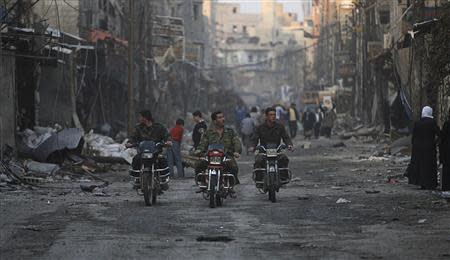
[293, 120]
[174, 153]
[239, 114]
[329, 118]
[422, 170]
[318, 123]
[308, 120]
[444, 152]
[247, 129]
[280, 114]
[255, 115]
[199, 128]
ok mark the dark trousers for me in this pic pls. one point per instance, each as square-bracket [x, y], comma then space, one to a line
[136, 164]
[293, 128]
[317, 130]
[446, 176]
[174, 159]
[260, 161]
[326, 131]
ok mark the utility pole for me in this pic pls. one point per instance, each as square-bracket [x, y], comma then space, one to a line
[130, 65]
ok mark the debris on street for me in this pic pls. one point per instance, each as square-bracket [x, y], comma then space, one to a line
[342, 201]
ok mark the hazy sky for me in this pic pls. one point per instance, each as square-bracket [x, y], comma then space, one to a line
[253, 6]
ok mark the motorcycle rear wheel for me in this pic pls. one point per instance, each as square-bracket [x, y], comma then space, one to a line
[147, 189]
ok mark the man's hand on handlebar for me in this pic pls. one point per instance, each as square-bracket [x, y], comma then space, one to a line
[236, 155]
[168, 143]
[290, 147]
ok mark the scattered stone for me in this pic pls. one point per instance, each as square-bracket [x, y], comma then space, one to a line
[336, 187]
[225, 239]
[306, 145]
[98, 192]
[32, 228]
[421, 221]
[342, 201]
[340, 144]
[391, 180]
[303, 198]
[372, 191]
[445, 194]
[88, 187]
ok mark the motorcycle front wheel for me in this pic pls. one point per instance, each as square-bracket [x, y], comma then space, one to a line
[272, 195]
[272, 192]
[212, 200]
[219, 200]
[148, 189]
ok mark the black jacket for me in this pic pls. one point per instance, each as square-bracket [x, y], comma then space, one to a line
[265, 134]
[199, 130]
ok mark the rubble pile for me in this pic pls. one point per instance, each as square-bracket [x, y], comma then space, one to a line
[100, 146]
[348, 127]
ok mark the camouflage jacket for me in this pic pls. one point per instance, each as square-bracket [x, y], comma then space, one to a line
[229, 139]
[156, 133]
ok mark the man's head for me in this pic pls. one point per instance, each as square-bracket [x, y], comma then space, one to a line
[271, 115]
[180, 122]
[218, 119]
[254, 110]
[145, 117]
[197, 115]
[248, 115]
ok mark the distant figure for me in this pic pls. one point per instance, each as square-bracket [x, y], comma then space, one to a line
[308, 120]
[444, 151]
[318, 123]
[281, 114]
[423, 167]
[174, 153]
[199, 128]
[247, 129]
[239, 114]
[256, 116]
[329, 118]
[293, 119]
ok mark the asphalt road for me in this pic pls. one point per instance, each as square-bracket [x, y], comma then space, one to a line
[381, 220]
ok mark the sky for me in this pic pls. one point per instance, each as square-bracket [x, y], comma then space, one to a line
[252, 6]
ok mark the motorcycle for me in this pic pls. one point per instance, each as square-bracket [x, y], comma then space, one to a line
[216, 183]
[269, 180]
[152, 178]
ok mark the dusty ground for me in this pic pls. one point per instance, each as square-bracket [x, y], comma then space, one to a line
[382, 221]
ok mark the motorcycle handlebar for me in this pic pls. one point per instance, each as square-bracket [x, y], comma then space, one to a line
[279, 149]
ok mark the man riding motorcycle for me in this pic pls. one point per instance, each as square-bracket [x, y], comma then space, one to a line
[271, 132]
[147, 130]
[219, 134]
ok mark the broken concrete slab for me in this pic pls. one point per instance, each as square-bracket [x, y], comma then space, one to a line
[38, 167]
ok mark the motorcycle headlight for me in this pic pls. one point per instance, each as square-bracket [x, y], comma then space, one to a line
[147, 155]
[215, 160]
[272, 152]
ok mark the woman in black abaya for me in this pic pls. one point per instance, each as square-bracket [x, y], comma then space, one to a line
[444, 151]
[423, 168]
